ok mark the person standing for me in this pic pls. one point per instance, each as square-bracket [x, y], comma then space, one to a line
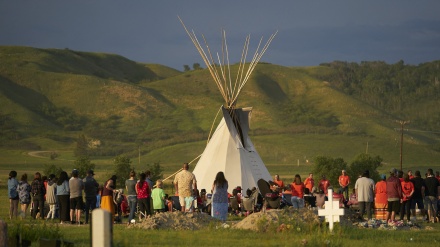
[418, 196]
[107, 195]
[309, 182]
[324, 184]
[407, 193]
[394, 196]
[297, 188]
[38, 192]
[13, 194]
[158, 196]
[90, 191]
[51, 196]
[365, 193]
[24, 194]
[63, 195]
[150, 187]
[76, 198]
[431, 194]
[381, 199]
[130, 186]
[142, 192]
[344, 182]
[184, 183]
[220, 197]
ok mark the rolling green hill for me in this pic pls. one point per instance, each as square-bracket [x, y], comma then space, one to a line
[49, 97]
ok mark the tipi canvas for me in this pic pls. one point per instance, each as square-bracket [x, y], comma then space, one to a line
[230, 149]
[233, 153]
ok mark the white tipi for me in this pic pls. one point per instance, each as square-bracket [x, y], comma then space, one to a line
[230, 149]
[233, 153]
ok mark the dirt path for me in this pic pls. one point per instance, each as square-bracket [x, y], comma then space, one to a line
[39, 154]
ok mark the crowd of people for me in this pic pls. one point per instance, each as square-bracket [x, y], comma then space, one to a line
[68, 197]
[397, 195]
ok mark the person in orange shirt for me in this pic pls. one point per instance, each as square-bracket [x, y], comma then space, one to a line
[309, 182]
[324, 184]
[344, 181]
[279, 183]
[407, 192]
[381, 199]
[297, 188]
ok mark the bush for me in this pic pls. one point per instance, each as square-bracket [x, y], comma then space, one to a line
[330, 167]
[365, 162]
[34, 230]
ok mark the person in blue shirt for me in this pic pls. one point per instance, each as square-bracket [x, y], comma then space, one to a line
[13, 194]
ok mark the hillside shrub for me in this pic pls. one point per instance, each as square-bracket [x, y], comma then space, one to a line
[330, 167]
[364, 162]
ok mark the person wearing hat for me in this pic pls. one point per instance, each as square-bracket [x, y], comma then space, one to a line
[90, 191]
[365, 193]
[394, 196]
[344, 181]
[76, 186]
[381, 199]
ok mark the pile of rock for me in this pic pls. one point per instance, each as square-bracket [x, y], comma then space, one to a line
[176, 221]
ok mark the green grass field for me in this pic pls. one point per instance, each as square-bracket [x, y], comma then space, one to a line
[123, 236]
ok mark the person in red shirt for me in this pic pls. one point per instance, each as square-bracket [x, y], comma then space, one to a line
[344, 181]
[407, 192]
[309, 182]
[324, 184]
[297, 188]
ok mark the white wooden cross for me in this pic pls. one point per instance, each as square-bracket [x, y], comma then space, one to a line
[331, 210]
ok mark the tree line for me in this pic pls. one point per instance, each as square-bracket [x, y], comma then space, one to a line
[405, 91]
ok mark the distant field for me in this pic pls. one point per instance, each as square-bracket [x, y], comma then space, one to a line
[282, 154]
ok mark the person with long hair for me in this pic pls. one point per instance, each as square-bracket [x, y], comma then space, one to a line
[13, 194]
[107, 195]
[381, 198]
[51, 196]
[297, 188]
[38, 192]
[220, 197]
[24, 194]
[63, 196]
[407, 193]
[143, 195]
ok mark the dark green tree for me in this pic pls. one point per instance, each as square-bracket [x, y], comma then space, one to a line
[330, 167]
[364, 162]
[196, 66]
[83, 164]
[122, 169]
[82, 147]
[52, 169]
[156, 171]
[186, 68]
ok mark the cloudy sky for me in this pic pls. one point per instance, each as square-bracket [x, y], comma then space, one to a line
[310, 32]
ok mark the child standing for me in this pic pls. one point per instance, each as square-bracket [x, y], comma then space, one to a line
[158, 196]
[51, 196]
